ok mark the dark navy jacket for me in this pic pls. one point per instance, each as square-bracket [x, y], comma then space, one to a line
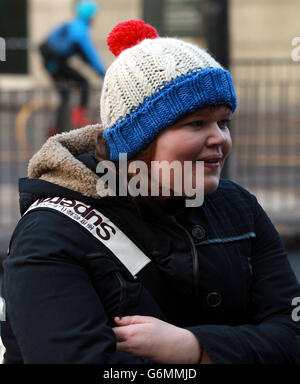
[219, 270]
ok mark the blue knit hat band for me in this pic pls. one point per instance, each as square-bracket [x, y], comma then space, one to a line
[185, 94]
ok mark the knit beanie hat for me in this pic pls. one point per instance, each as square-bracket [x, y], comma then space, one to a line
[153, 82]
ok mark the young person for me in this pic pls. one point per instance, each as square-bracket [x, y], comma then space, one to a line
[65, 41]
[95, 278]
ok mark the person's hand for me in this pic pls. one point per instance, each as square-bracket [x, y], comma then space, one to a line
[149, 337]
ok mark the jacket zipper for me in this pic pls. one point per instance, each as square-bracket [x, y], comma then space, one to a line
[194, 257]
[122, 294]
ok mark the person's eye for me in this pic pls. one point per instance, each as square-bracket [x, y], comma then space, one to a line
[223, 124]
[196, 124]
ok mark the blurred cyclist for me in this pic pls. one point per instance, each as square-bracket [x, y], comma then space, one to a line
[69, 39]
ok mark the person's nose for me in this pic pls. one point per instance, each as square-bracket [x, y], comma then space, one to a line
[216, 135]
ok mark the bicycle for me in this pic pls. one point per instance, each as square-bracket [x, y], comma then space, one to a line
[35, 122]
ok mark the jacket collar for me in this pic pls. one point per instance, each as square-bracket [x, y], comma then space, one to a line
[64, 161]
[57, 162]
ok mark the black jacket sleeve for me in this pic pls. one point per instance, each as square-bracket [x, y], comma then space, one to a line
[53, 308]
[272, 336]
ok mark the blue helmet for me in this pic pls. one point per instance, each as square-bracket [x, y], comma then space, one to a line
[86, 9]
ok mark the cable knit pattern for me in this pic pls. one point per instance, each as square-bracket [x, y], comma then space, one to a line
[141, 70]
[152, 84]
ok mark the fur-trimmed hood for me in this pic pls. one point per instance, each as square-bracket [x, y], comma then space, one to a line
[56, 161]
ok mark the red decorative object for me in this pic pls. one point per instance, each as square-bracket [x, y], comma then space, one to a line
[128, 34]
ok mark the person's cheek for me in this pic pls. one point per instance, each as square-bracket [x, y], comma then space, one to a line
[227, 146]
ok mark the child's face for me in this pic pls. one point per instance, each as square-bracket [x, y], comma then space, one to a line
[197, 136]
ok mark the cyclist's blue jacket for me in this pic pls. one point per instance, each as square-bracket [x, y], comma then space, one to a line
[71, 39]
[219, 270]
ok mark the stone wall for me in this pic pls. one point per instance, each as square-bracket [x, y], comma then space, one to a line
[47, 14]
[259, 29]
[263, 28]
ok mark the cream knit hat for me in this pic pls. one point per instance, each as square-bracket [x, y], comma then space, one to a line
[153, 82]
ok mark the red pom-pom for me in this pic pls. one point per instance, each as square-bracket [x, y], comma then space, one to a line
[128, 34]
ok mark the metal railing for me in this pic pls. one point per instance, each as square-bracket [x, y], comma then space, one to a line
[266, 135]
[25, 119]
[265, 132]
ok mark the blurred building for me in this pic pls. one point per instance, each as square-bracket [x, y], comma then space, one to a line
[253, 38]
[257, 28]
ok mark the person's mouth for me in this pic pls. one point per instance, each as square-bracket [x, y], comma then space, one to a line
[212, 161]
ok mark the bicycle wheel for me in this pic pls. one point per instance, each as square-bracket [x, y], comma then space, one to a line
[32, 124]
